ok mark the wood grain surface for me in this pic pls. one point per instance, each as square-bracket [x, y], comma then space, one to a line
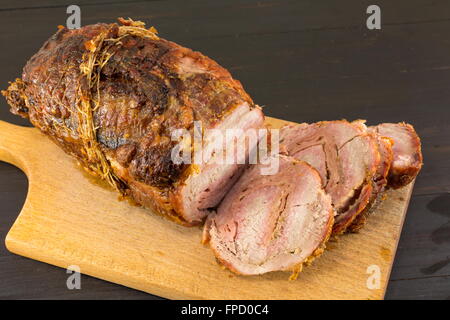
[71, 219]
[303, 60]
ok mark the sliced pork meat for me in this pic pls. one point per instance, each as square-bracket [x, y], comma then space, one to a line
[379, 182]
[205, 188]
[347, 158]
[407, 153]
[271, 222]
[112, 95]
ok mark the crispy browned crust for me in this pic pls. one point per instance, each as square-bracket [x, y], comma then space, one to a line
[142, 94]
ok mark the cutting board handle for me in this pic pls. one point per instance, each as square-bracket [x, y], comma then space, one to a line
[16, 144]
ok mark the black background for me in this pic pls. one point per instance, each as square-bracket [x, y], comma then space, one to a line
[303, 61]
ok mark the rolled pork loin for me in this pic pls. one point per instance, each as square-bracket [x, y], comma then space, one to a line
[271, 222]
[138, 89]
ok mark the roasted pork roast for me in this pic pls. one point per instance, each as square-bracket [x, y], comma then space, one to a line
[113, 95]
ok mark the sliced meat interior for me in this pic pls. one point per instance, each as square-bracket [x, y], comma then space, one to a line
[207, 185]
[407, 152]
[345, 155]
[271, 222]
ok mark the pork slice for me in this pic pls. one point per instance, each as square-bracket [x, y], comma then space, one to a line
[379, 182]
[271, 222]
[347, 158]
[407, 153]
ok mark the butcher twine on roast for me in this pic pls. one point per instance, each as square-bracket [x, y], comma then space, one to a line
[111, 95]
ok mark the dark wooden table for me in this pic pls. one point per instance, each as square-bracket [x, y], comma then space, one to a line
[303, 60]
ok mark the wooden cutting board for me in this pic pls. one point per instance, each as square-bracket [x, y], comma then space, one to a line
[69, 219]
